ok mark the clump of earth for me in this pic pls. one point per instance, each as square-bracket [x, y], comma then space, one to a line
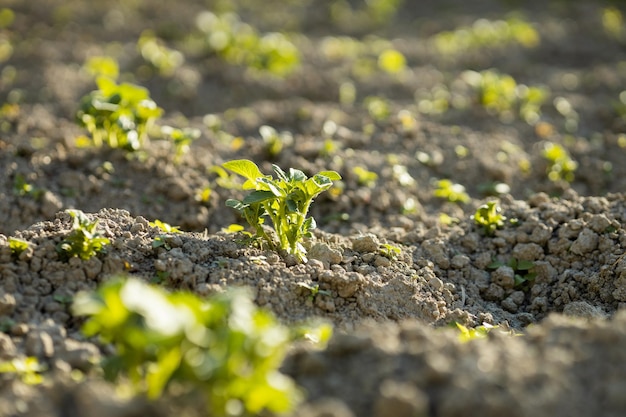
[557, 345]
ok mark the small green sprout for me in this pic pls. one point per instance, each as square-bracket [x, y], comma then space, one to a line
[83, 241]
[378, 108]
[560, 165]
[17, 246]
[165, 227]
[454, 193]
[181, 138]
[314, 290]
[27, 369]
[365, 177]
[223, 348]
[160, 241]
[275, 141]
[467, 334]
[119, 115]
[489, 217]
[501, 95]
[317, 333]
[203, 195]
[164, 59]
[389, 251]
[285, 200]
[238, 43]
[524, 276]
[487, 34]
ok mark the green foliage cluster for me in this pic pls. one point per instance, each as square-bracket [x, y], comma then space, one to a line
[118, 115]
[389, 251]
[27, 369]
[501, 95]
[378, 108]
[561, 166]
[160, 240]
[454, 193]
[223, 347]
[285, 200]
[467, 334]
[365, 177]
[165, 60]
[275, 141]
[17, 246]
[181, 138]
[83, 240]
[239, 43]
[485, 33]
[488, 216]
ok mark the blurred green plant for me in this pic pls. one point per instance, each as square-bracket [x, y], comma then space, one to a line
[239, 43]
[181, 138]
[378, 108]
[83, 241]
[285, 200]
[28, 369]
[467, 334]
[389, 251]
[275, 141]
[165, 60]
[453, 192]
[224, 347]
[485, 33]
[365, 177]
[118, 115]
[489, 217]
[561, 166]
[501, 95]
[17, 246]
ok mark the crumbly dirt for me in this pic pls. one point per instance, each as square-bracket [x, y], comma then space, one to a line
[392, 353]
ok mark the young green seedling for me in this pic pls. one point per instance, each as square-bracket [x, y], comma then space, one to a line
[28, 369]
[314, 290]
[389, 251]
[83, 241]
[118, 115]
[560, 164]
[17, 246]
[489, 217]
[223, 348]
[285, 200]
[454, 193]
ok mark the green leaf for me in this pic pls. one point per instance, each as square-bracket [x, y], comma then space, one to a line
[273, 187]
[297, 175]
[236, 204]
[331, 175]
[525, 265]
[258, 197]
[245, 168]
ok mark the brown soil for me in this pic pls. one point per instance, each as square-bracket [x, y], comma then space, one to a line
[392, 354]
